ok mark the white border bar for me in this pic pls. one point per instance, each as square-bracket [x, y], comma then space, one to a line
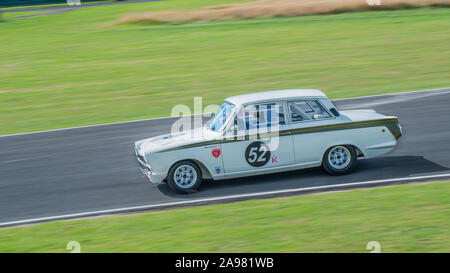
[224, 198]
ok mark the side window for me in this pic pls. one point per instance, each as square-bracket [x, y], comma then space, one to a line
[307, 110]
[264, 115]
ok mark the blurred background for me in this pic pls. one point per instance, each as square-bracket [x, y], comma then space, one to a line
[83, 65]
[98, 62]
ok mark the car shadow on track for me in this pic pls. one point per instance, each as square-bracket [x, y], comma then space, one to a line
[366, 170]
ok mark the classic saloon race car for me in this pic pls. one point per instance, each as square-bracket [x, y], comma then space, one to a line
[264, 133]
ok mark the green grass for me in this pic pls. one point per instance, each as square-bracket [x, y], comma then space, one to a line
[407, 218]
[80, 68]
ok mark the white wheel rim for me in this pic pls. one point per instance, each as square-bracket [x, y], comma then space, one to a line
[185, 176]
[339, 157]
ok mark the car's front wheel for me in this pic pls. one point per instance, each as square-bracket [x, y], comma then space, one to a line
[184, 177]
[339, 160]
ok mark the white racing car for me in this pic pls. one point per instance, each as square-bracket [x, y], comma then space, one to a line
[264, 133]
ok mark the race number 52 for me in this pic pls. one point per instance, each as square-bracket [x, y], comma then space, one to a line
[257, 154]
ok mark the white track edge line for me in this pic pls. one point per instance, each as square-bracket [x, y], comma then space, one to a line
[221, 198]
[95, 125]
[148, 119]
[397, 93]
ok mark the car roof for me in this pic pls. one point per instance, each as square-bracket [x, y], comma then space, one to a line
[275, 95]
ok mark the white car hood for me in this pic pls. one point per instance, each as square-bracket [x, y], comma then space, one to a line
[168, 141]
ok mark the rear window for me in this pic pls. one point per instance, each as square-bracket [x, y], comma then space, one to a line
[307, 110]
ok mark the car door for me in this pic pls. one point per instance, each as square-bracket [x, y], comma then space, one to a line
[257, 138]
[304, 116]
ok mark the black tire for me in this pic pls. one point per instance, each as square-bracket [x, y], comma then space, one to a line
[175, 185]
[328, 165]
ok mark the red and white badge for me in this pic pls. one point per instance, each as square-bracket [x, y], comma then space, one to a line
[215, 152]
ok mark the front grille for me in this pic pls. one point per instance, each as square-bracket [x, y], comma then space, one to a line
[143, 164]
[141, 158]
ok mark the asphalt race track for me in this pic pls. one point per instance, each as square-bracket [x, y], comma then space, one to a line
[89, 169]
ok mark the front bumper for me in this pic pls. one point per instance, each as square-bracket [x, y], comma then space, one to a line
[147, 170]
[144, 167]
[142, 163]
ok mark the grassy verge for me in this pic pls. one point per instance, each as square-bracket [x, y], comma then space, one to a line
[80, 68]
[407, 218]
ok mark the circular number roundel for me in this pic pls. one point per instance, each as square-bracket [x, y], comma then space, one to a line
[257, 154]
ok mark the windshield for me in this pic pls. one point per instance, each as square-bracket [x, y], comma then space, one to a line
[220, 118]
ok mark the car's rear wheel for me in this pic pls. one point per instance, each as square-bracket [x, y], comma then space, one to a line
[184, 177]
[339, 160]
